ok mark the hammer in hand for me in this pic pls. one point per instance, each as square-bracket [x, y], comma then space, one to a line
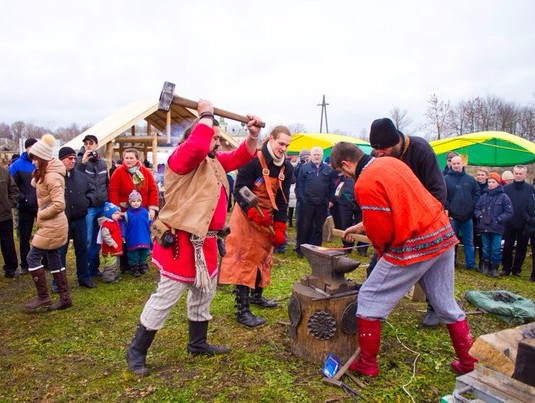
[252, 201]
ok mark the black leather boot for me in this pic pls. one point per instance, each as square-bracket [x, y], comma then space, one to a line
[136, 354]
[244, 314]
[256, 295]
[143, 268]
[493, 269]
[197, 340]
[258, 299]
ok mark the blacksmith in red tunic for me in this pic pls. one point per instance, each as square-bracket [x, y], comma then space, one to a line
[414, 242]
[196, 194]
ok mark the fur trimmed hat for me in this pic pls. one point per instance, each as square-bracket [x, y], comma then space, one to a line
[383, 134]
[43, 148]
[134, 195]
[109, 209]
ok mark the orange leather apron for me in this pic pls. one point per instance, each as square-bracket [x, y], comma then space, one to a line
[249, 245]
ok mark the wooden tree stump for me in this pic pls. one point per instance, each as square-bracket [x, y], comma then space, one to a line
[322, 324]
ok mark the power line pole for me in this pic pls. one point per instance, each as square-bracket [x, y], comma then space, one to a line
[324, 111]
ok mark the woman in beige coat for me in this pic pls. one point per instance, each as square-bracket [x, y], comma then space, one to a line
[49, 181]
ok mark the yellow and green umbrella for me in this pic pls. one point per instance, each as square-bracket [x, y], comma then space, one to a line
[323, 140]
[494, 149]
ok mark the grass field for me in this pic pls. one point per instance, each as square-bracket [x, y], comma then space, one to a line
[78, 354]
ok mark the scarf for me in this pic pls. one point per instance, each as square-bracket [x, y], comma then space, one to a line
[137, 176]
[277, 161]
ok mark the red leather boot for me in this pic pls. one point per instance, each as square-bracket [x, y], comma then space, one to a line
[369, 343]
[462, 341]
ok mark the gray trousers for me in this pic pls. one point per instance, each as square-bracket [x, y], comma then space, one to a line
[388, 283]
[160, 304]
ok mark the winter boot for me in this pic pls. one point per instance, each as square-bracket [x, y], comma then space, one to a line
[42, 299]
[430, 319]
[197, 340]
[493, 270]
[64, 300]
[143, 268]
[244, 314]
[134, 270]
[136, 354]
[369, 332]
[462, 341]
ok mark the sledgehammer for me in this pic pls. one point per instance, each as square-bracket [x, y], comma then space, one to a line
[252, 200]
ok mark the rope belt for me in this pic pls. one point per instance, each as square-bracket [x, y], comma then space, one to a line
[201, 277]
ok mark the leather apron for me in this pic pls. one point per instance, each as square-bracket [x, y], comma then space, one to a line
[249, 245]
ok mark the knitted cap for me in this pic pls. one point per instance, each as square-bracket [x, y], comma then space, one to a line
[495, 176]
[65, 152]
[43, 148]
[507, 175]
[109, 209]
[29, 143]
[134, 195]
[383, 134]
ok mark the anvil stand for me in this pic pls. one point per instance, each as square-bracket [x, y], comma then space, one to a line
[322, 307]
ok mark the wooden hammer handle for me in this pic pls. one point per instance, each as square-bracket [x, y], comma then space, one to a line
[261, 214]
[358, 237]
[188, 103]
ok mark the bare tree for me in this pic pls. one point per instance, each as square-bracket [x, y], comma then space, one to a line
[5, 131]
[400, 118]
[17, 128]
[67, 133]
[439, 116]
[526, 123]
[297, 128]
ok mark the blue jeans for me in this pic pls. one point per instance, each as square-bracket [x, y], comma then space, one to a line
[93, 248]
[492, 245]
[467, 230]
[78, 233]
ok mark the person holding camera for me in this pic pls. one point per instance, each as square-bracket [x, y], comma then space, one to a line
[185, 251]
[493, 210]
[96, 169]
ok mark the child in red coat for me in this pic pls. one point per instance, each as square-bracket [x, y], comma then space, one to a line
[112, 243]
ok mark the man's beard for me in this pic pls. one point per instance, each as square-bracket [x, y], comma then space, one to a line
[212, 152]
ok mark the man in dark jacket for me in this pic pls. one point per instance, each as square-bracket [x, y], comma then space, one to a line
[517, 228]
[416, 152]
[314, 190]
[9, 196]
[96, 169]
[77, 195]
[463, 194]
[21, 170]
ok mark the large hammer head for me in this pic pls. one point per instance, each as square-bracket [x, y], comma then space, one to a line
[166, 96]
[250, 198]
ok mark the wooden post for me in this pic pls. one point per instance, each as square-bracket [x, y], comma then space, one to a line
[109, 153]
[154, 146]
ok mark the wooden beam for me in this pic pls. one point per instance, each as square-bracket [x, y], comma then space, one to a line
[109, 153]
[154, 147]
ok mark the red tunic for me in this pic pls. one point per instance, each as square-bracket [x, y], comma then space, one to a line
[184, 160]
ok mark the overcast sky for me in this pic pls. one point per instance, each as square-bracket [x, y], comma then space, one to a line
[79, 61]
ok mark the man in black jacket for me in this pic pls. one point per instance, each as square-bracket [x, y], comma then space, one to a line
[314, 190]
[96, 169]
[77, 195]
[517, 228]
[9, 196]
[463, 194]
[416, 152]
[21, 170]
